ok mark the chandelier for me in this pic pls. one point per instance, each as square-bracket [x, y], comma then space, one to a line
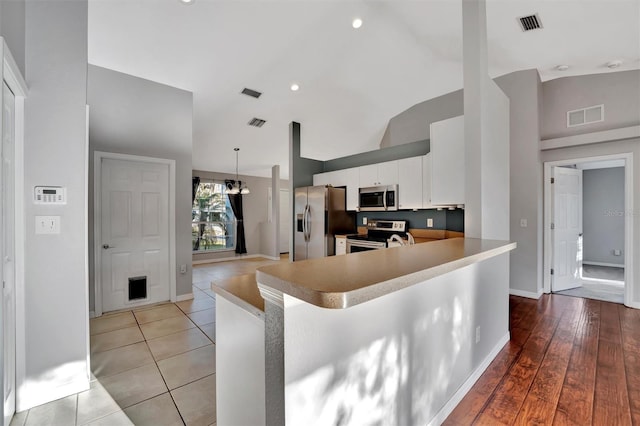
[236, 186]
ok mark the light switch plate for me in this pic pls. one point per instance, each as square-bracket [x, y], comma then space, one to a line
[523, 223]
[47, 224]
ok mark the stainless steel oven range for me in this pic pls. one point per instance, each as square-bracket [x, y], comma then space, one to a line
[379, 231]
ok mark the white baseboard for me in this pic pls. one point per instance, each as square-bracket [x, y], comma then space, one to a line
[92, 314]
[226, 259]
[448, 408]
[34, 393]
[523, 293]
[184, 297]
[613, 265]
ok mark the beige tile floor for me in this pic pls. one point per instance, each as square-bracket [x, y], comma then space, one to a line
[151, 366]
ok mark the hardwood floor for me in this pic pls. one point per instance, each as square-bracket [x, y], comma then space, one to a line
[570, 361]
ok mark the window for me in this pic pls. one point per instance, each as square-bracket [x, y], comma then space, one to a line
[213, 223]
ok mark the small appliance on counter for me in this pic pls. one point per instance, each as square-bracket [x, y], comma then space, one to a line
[320, 214]
[380, 234]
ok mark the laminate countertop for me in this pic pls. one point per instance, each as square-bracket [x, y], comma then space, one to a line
[339, 282]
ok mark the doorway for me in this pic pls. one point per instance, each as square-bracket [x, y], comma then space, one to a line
[587, 232]
[134, 231]
[7, 252]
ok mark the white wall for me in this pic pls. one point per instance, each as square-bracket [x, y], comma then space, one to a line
[603, 215]
[56, 346]
[255, 207]
[355, 366]
[131, 115]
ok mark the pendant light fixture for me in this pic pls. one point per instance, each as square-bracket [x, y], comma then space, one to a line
[236, 187]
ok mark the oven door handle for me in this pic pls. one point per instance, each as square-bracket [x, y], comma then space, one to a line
[384, 199]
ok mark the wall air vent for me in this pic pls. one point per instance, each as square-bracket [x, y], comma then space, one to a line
[531, 22]
[580, 117]
[256, 122]
[252, 93]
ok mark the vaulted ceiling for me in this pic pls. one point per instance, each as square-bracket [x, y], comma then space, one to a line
[352, 81]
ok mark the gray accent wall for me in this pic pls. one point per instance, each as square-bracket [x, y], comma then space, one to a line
[523, 89]
[56, 345]
[12, 28]
[413, 124]
[603, 215]
[618, 91]
[131, 115]
[397, 152]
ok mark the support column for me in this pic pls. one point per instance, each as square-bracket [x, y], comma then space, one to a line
[274, 356]
[486, 121]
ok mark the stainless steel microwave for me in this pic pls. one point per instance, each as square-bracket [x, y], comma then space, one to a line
[378, 198]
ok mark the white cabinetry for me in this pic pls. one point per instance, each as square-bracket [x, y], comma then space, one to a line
[341, 245]
[447, 162]
[348, 178]
[379, 174]
[426, 181]
[410, 183]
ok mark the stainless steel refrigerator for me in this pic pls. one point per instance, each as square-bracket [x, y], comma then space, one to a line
[320, 214]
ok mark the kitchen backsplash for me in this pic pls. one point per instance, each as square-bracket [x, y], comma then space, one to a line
[451, 220]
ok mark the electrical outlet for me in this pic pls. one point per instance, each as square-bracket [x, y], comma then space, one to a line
[429, 223]
[183, 269]
[364, 220]
[617, 252]
[523, 223]
[478, 334]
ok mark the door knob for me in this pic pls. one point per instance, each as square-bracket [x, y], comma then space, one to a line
[106, 246]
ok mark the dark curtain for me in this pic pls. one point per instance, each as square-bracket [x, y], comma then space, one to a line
[195, 182]
[236, 205]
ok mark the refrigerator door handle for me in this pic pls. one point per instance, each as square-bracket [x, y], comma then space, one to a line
[307, 217]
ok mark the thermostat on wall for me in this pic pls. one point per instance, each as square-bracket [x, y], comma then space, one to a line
[49, 195]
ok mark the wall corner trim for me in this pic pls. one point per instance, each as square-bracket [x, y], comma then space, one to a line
[527, 294]
[448, 408]
[589, 138]
[183, 297]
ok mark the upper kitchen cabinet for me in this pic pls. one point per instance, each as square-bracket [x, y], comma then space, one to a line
[426, 181]
[410, 183]
[348, 178]
[379, 174]
[447, 162]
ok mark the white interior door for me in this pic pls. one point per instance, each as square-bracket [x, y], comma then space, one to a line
[8, 252]
[134, 231]
[567, 229]
[285, 221]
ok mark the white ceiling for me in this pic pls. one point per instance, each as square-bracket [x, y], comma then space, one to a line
[351, 81]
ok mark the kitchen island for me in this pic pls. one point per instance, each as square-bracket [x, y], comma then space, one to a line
[394, 336]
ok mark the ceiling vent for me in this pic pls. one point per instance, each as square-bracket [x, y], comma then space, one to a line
[252, 93]
[256, 122]
[580, 117]
[531, 22]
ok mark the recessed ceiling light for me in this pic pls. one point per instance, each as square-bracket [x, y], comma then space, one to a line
[356, 23]
[562, 67]
[614, 64]
[187, 1]
[295, 87]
